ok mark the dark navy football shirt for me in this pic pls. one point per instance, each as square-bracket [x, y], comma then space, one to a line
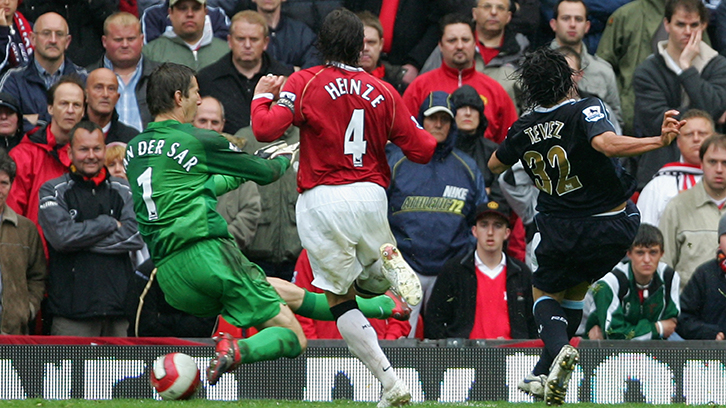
[554, 146]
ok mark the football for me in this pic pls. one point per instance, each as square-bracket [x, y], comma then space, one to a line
[175, 376]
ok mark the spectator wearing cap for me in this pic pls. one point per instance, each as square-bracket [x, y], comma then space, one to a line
[432, 206]
[486, 294]
[188, 43]
[155, 20]
[703, 304]
[468, 109]
[11, 121]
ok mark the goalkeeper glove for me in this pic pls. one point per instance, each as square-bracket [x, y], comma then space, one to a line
[280, 148]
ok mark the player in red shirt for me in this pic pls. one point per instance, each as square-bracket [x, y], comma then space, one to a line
[346, 117]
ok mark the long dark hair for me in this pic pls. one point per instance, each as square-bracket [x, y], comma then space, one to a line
[545, 77]
[341, 37]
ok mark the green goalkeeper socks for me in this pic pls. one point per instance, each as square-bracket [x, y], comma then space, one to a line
[269, 344]
[379, 307]
[315, 306]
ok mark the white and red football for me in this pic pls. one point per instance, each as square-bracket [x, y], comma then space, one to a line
[175, 376]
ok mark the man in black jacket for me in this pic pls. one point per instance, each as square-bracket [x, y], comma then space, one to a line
[484, 294]
[233, 78]
[102, 96]
[90, 226]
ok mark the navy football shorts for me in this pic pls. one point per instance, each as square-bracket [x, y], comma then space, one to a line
[581, 249]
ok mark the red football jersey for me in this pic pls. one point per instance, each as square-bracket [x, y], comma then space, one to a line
[346, 116]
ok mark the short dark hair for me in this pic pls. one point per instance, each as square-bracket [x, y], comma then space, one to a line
[85, 125]
[7, 164]
[689, 6]
[340, 38]
[545, 77]
[163, 83]
[647, 236]
[66, 79]
[556, 9]
[716, 139]
[455, 18]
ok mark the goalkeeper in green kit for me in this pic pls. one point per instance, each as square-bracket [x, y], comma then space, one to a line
[176, 172]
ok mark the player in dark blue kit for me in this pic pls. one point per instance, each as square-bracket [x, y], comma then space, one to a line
[585, 220]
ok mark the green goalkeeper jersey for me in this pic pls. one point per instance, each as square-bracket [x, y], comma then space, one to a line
[176, 172]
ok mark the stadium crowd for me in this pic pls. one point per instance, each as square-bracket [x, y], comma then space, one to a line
[72, 71]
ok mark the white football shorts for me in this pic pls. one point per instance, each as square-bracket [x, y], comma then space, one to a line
[343, 227]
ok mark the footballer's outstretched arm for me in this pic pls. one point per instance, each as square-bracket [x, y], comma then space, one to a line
[613, 145]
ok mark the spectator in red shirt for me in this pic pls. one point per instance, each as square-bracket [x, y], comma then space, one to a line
[457, 49]
[486, 295]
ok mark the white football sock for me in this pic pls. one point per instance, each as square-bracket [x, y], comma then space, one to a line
[363, 343]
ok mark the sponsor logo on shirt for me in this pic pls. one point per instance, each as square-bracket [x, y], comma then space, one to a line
[593, 113]
[288, 95]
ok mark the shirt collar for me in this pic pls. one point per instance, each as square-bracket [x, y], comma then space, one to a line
[9, 215]
[43, 72]
[490, 272]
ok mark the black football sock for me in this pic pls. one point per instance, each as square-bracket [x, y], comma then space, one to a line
[552, 323]
[573, 312]
[544, 363]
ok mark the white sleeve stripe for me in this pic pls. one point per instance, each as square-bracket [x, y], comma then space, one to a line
[267, 95]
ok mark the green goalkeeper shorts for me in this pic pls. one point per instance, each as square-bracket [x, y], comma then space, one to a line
[213, 277]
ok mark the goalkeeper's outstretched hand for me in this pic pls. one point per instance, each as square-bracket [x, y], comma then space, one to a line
[280, 148]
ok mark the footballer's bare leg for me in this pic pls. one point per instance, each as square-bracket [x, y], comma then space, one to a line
[292, 294]
[362, 342]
